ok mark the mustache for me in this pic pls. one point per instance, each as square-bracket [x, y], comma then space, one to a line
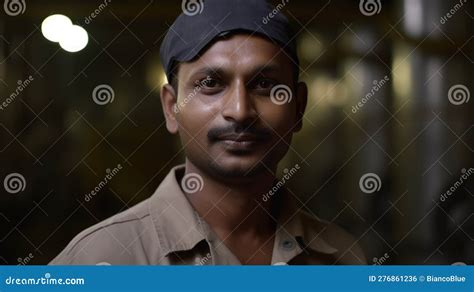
[262, 133]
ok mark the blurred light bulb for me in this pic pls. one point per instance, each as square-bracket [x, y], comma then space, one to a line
[75, 39]
[54, 27]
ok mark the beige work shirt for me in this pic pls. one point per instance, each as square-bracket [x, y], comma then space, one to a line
[166, 230]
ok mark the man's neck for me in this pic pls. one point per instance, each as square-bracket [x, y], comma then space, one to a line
[234, 208]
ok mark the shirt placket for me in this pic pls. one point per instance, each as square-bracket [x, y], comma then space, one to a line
[285, 248]
[218, 252]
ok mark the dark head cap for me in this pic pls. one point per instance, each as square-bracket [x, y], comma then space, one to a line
[203, 21]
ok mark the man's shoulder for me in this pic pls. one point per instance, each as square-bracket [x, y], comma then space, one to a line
[112, 239]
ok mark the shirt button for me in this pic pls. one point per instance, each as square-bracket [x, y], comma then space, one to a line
[288, 244]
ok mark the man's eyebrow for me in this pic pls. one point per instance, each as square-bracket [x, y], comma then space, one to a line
[210, 71]
[221, 71]
[269, 68]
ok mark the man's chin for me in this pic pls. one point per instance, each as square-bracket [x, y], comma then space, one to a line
[238, 169]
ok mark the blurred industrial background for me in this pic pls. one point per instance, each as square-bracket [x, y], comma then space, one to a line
[389, 82]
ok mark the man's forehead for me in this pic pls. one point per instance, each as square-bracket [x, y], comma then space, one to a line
[240, 49]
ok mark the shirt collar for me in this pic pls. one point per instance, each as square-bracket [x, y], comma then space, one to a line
[173, 216]
[178, 226]
[301, 225]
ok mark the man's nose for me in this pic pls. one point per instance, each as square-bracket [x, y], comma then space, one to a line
[238, 105]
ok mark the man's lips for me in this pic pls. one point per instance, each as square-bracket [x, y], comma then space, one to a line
[239, 138]
[240, 142]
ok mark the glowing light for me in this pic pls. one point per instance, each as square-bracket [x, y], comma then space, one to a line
[75, 39]
[58, 28]
[55, 27]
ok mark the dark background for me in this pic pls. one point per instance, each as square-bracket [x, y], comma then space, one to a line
[408, 133]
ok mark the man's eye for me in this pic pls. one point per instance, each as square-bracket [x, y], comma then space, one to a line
[265, 84]
[209, 83]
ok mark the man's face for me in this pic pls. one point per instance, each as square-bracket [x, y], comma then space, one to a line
[228, 123]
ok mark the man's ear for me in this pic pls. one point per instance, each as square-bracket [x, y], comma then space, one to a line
[170, 109]
[301, 102]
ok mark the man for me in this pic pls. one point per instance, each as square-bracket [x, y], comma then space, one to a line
[229, 68]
